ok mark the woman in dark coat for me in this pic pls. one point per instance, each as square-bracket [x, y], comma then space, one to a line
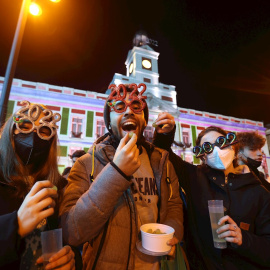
[30, 188]
[246, 225]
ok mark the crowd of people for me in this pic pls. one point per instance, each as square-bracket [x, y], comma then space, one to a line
[123, 182]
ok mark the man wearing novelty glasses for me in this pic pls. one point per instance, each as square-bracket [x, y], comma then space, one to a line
[246, 224]
[119, 185]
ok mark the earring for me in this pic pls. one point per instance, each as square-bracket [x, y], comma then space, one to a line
[109, 127]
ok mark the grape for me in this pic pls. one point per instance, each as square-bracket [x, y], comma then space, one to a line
[157, 231]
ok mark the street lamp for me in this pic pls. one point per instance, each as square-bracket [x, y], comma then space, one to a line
[13, 57]
[35, 9]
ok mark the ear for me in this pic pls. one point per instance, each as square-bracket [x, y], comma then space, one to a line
[145, 124]
[240, 155]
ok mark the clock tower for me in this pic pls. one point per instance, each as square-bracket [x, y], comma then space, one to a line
[142, 60]
[142, 67]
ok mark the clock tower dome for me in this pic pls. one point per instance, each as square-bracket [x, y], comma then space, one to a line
[142, 67]
[142, 60]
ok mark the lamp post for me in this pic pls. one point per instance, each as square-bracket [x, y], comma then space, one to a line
[13, 57]
[12, 61]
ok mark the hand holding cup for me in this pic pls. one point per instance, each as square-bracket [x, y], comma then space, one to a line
[230, 232]
[54, 255]
[63, 259]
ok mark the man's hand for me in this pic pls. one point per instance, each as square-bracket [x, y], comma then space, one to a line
[37, 205]
[126, 157]
[164, 123]
[172, 242]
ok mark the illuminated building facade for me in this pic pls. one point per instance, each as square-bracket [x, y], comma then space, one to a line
[82, 111]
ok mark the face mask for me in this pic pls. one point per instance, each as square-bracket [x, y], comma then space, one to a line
[30, 148]
[220, 159]
[252, 163]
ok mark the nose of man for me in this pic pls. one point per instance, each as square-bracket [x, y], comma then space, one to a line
[128, 111]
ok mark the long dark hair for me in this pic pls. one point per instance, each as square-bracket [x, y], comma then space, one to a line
[15, 173]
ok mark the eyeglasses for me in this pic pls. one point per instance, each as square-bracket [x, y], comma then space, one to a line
[25, 118]
[43, 131]
[221, 142]
[121, 106]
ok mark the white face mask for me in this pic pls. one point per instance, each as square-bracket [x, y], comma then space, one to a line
[220, 159]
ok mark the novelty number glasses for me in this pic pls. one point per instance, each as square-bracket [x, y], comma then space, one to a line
[221, 142]
[25, 118]
[117, 98]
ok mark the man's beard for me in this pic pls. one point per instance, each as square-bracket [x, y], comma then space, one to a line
[119, 135]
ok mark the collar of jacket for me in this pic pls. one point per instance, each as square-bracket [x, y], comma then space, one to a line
[234, 181]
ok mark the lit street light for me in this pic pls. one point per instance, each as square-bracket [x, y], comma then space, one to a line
[14, 53]
[35, 9]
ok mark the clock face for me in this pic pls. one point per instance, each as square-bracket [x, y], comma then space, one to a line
[146, 63]
[131, 66]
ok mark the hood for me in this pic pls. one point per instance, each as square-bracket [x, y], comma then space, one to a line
[104, 148]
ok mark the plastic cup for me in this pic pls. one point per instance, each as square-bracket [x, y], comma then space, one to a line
[51, 242]
[216, 212]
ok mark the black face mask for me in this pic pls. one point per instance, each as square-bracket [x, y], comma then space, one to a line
[30, 148]
[253, 164]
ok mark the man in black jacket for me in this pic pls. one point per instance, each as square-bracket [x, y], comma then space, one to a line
[249, 152]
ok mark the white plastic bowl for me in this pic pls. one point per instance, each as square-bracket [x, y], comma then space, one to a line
[156, 242]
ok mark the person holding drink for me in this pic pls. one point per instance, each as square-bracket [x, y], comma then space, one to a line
[30, 189]
[245, 226]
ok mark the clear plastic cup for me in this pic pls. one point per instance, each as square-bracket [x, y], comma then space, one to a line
[51, 242]
[216, 212]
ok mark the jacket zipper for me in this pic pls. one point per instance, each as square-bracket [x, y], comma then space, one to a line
[228, 194]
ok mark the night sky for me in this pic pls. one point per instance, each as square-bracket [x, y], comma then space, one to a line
[216, 53]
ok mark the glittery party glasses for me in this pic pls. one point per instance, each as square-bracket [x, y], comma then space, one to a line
[221, 142]
[121, 106]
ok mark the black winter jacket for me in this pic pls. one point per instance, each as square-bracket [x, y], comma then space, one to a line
[11, 244]
[246, 201]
